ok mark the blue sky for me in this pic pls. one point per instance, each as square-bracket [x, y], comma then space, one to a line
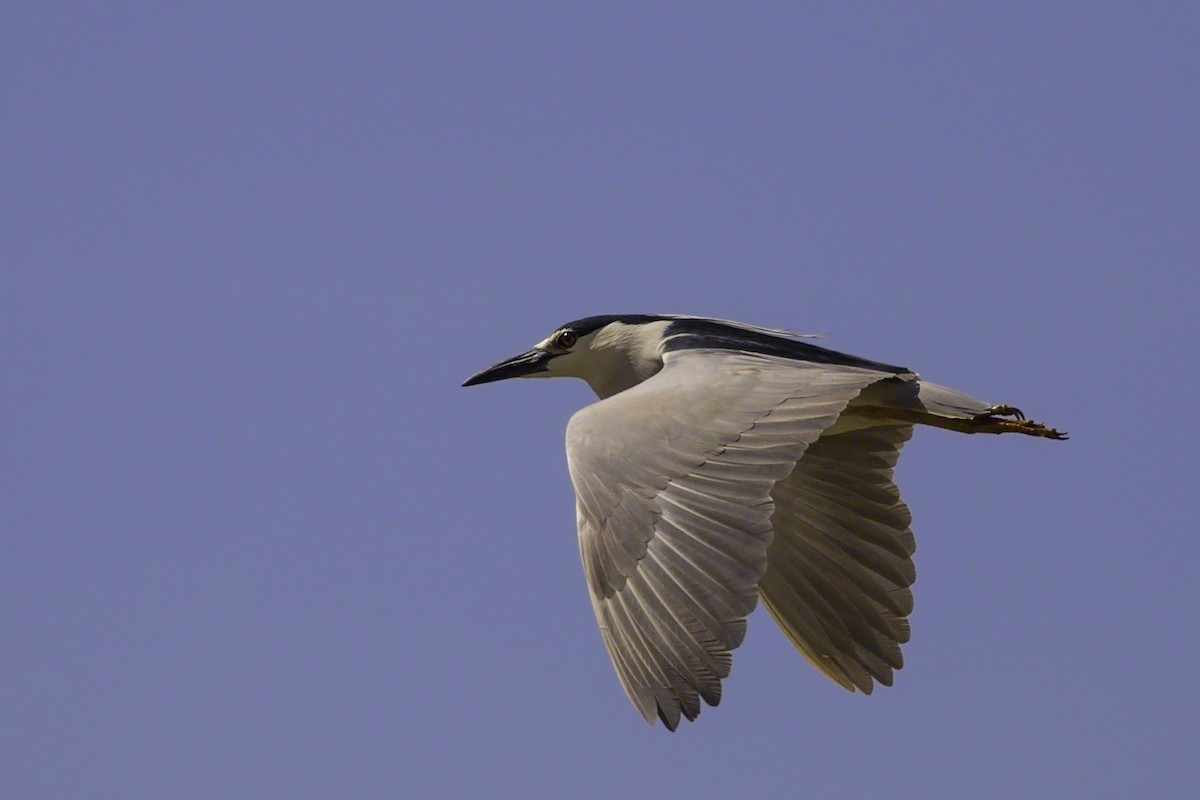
[259, 543]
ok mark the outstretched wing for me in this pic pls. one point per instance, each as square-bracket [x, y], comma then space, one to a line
[840, 563]
[673, 482]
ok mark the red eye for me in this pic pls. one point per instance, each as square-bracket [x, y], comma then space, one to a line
[567, 339]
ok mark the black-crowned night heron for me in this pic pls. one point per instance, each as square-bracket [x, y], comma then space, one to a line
[726, 462]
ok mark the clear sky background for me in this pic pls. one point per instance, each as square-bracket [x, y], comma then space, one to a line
[258, 543]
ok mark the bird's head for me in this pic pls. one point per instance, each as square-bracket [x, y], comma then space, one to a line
[611, 353]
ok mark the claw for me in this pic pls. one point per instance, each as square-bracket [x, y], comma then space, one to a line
[992, 422]
[1038, 429]
[1005, 411]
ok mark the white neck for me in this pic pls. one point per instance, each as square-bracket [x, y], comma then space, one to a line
[622, 356]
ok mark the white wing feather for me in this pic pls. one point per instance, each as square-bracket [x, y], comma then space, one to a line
[840, 562]
[673, 482]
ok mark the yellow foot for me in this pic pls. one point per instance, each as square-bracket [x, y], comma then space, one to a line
[990, 421]
[1032, 428]
[1004, 411]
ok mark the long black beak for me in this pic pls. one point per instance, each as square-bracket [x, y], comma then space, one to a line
[516, 367]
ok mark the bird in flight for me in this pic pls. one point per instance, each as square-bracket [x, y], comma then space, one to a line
[725, 463]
